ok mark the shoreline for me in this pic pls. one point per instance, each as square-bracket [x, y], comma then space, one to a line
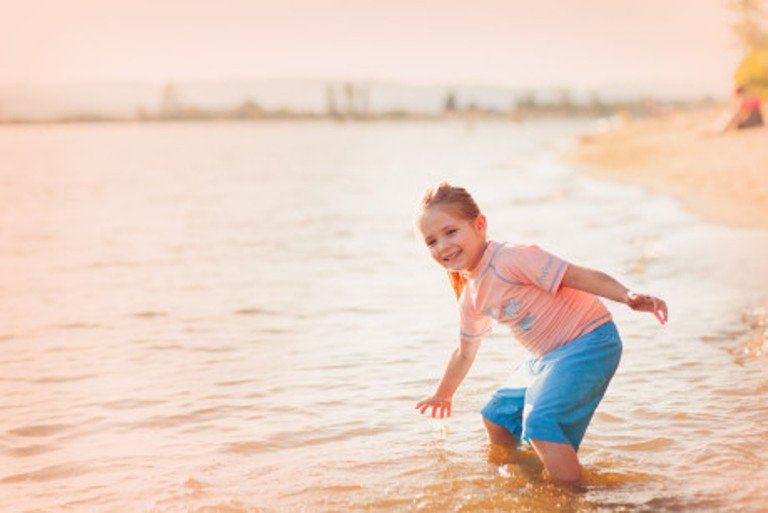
[721, 177]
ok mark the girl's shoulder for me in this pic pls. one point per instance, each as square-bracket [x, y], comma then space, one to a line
[516, 249]
[507, 255]
[524, 260]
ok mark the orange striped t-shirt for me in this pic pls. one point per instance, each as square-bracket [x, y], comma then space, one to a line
[520, 286]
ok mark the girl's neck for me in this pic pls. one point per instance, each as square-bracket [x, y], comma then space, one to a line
[472, 268]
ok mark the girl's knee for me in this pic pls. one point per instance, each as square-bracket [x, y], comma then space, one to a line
[498, 434]
[560, 460]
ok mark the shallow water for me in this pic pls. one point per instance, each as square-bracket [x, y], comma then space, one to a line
[237, 317]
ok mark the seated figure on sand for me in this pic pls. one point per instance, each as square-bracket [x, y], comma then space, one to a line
[745, 111]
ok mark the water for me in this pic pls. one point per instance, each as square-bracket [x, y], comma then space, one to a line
[238, 318]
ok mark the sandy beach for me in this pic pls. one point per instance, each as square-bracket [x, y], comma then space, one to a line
[721, 177]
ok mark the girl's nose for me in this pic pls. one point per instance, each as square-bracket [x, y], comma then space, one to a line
[445, 247]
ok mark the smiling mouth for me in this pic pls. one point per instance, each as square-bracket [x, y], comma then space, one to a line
[452, 257]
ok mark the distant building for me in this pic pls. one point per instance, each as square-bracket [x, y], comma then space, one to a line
[331, 107]
[450, 102]
[349, 93]
[170, 105]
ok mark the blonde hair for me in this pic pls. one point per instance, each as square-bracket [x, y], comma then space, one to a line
[460, 201]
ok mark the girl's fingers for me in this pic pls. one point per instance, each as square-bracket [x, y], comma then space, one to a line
[423, 405]
[646, 303]
[661, 312]
[650, 303]
[438, 407]
[659, 309]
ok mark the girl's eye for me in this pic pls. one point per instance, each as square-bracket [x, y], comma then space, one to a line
[430, 243]
[451, 231]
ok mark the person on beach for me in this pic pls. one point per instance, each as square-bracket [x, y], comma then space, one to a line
[552, 308]
[746, 111]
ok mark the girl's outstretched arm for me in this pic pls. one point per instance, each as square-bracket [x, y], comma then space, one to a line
[458, 366]
[603, 285]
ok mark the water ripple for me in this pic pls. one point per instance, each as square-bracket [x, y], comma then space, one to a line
[129, 404]
[62, 379]
[753, 344]
[654, 444]
[78, 326]
[300, 438]
[148, 314]
[40, 430]
[29, 450]
[256, 311]
[64, 471]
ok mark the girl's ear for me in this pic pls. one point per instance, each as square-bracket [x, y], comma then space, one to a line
[481, 224]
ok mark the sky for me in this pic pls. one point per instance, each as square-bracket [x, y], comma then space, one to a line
[590, 44]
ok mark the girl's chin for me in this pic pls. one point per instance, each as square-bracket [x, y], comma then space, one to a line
[455, 267]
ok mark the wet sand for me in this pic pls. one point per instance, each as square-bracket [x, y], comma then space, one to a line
[721, 177]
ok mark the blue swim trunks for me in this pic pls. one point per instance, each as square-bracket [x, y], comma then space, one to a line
[553, 397]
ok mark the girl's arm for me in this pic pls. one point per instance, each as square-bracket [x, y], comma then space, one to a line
[458, 366]
[603, 285]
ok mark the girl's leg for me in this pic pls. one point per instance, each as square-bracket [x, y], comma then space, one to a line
[499, 435]
[503, 448]
[559, 404]
[559, 460]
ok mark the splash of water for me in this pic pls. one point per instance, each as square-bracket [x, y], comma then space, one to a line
[755, 342]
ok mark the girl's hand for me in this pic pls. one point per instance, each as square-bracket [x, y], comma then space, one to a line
[441, 405]
[646, 303]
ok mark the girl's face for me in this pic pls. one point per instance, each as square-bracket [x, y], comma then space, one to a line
[454, 242]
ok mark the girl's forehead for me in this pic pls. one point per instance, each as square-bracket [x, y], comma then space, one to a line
[443, 210]
[436, 216]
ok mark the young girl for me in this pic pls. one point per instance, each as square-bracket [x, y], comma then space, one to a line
[553, 310]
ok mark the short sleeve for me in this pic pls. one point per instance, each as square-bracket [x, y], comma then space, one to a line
[533, 265]
[473, 324]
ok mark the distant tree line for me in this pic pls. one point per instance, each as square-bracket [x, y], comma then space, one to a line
[349, 102]
[751, 31]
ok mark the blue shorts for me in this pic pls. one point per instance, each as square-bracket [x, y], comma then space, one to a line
[553, 397]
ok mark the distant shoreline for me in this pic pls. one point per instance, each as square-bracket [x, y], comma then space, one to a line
[257, 119]
[721, 177]
[174, 111]
[471, 117]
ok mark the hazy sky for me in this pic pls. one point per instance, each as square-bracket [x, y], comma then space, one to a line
[662, 44]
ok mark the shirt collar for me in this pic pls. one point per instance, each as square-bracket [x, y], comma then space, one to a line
[490, 249]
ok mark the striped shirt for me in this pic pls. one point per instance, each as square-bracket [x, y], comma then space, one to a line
[520, 286]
